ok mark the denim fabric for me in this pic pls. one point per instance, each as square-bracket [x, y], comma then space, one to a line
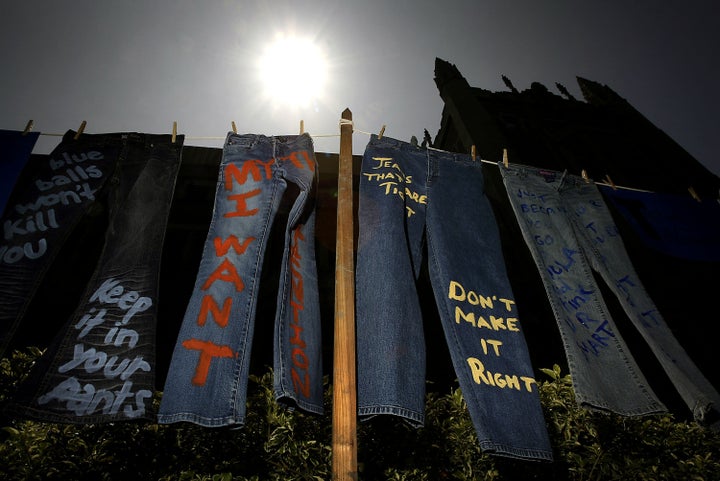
[101, 366]
[672, 224]
[42, 215]
[568, 229]
[15, 150]
[408, 196]
[208, 375]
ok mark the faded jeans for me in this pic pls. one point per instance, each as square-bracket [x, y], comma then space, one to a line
[208, 375]
[568, 229]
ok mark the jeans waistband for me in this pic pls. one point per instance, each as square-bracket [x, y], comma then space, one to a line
[390, 143]
[251, 141]
[122, 138]
[557, 179]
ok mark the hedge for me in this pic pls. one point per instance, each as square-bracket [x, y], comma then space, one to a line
[280, 444]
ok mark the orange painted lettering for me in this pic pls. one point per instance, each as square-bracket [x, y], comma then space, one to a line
[299, 358]
[208, 351]
[301, 385]
[241, 209]
[222, 246]
[293, 157]
[296, 335]
[241, 175]
[225, 272]
[209, 306]
[297, 285]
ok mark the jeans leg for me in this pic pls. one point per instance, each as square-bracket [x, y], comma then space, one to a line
[478, 312]
[605, 375]
[390, 340]
[102, 369]
[297, 340]
[208, 374]
[599, 237]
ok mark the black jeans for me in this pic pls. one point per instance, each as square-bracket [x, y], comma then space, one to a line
[101, 365]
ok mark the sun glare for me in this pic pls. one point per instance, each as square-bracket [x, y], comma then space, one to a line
[293, 71]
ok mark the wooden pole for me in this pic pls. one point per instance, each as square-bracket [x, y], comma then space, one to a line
[344, 444]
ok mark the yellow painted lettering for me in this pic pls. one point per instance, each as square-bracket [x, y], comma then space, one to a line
[528, 382]
[381, 162]
[490, 379]
[512, 324]
[491, 342]
[497, 323]
[478, 370]
[472, 298]
[508, 303]
[512, 381]
[486, 302]
[469, 317]
[481, 322]
[482, 376]
[388, 186]
[456, 291]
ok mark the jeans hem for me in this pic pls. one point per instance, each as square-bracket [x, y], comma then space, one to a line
[515, 452]
[415, 418]
[214, 422]
[290, 401]
[649, 410]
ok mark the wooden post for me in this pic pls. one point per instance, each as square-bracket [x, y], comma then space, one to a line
[344, 443]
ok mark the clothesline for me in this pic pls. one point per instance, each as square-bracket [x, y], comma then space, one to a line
[342, 122]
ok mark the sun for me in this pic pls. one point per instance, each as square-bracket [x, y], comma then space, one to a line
[293, 71]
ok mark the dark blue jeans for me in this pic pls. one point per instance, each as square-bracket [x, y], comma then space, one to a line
[15, 150]
[101, 366]
[408, 196]
[208, 376]
[569, 230]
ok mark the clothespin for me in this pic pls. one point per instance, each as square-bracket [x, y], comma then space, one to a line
[472, 152]
[234, 129]
[302, 127]
[585, 176]
[609, 181]
[505, 159]
[382, 131]
[694, 194]
[174, 132]
[80, 130]
[28, 127]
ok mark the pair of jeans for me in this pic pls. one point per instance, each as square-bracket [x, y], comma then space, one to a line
[15, 150]
[569, 229]
[100, 368]
[411, 196]
[208, 375]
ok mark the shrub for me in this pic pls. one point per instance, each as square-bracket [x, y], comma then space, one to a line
[278, 444]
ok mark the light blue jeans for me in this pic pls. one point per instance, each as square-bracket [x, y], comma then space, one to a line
[568, 229]
[208, 375]
[410, 196]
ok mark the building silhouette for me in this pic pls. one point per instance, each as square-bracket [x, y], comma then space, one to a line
[603, 135]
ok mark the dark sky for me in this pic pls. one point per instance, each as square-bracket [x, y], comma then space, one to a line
[140, 65]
